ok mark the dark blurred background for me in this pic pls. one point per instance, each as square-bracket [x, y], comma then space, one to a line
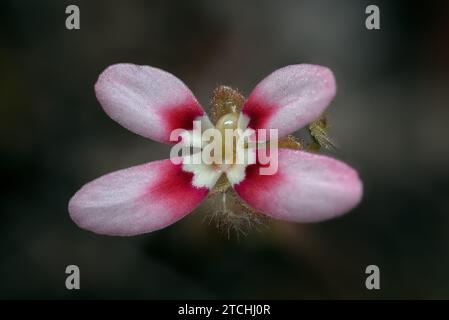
[390, 119]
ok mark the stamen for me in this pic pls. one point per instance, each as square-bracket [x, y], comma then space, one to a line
[226, 125]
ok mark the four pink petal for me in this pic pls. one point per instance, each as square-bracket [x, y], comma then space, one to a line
[151, 102]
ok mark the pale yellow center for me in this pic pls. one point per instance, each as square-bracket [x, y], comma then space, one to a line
[227, 124]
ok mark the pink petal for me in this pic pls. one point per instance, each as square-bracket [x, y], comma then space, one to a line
[146, 100]
[290, 98]
[136, 200]
[306, 188]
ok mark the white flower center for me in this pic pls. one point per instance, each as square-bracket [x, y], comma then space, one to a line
[225, 148]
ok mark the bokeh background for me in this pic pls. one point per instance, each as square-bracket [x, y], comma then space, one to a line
[390, 119]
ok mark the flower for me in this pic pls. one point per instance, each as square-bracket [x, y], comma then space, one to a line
[306, 187]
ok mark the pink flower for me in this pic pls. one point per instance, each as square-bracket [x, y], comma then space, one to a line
[307, 187]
